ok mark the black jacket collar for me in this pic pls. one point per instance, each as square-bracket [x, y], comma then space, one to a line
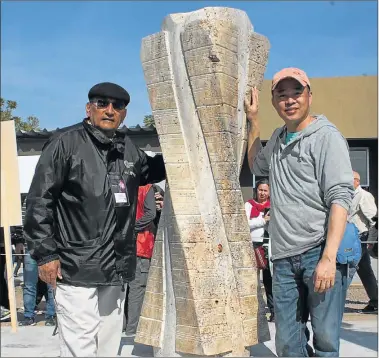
[117, 142]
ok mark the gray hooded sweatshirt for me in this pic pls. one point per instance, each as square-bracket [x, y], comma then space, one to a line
[307, 175]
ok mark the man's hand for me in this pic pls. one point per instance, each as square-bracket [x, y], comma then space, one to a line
[254, 144]
[252, 105]
[267, 218]
[49, 272]
[325, 274]
[158, 201]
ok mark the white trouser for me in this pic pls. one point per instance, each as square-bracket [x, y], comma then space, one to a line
[89, 320]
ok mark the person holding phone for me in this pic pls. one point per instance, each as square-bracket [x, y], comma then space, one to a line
[258, 216]
[159, 198]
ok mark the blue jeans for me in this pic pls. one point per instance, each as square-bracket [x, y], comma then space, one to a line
[295, 300]
[30, 290]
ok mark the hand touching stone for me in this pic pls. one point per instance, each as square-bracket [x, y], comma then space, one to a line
[252, 105]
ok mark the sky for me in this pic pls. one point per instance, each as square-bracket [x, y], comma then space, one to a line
[52, 53]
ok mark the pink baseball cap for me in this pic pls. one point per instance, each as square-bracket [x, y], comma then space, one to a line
[290, 72]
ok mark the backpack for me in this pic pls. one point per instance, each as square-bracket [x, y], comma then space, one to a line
[350, 250]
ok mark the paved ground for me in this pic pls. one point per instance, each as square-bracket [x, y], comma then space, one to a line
[359, 336]
[359, 339]
[355, 302]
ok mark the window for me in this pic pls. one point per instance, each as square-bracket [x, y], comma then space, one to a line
[359, 158]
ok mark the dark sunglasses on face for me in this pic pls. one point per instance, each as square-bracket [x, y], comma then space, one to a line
[102, 103]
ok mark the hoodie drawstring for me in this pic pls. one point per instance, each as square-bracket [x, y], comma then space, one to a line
[300, 158]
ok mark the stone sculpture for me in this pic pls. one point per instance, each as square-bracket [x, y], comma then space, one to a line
[202, 296]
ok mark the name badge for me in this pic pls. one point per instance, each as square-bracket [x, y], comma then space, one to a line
[120, 198]
[119, 191]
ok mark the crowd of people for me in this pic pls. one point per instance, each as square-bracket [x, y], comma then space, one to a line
[93, 208]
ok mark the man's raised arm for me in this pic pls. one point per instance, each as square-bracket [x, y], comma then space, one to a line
[257, 160]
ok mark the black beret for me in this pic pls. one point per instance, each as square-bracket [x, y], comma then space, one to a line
[109, 90]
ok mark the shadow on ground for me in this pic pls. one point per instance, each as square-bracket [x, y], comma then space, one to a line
[365, 338]
[350, 302]
[139, 350]
[260, 350]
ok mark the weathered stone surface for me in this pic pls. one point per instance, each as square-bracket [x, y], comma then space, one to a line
[202, 294]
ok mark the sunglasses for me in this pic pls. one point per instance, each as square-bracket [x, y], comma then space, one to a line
[102, 103]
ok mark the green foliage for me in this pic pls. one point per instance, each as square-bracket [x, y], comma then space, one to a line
[149, 121]
[31, 123]
[6, 109]
[6, 114]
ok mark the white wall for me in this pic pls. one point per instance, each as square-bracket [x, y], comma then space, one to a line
[26, 167]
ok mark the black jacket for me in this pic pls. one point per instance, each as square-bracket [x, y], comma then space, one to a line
[70, 210]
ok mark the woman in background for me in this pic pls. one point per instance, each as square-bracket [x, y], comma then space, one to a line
[257, 212]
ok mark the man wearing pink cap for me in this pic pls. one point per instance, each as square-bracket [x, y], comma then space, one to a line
[308, 164]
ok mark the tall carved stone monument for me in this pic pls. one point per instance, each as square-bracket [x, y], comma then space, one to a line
[202, 296]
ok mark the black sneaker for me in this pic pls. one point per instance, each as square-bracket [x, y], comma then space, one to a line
[50, 321]
[27, 322]
[370, 309]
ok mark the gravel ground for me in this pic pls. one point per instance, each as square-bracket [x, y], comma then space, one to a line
[356, 299]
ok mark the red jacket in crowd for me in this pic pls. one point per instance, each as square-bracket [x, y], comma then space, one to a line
[145, 237]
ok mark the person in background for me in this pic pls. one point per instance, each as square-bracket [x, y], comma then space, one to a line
[17, 240]
[30, 292]
[19, 262]
[5, 314]
[145, 230]
[159, 198]
[258, 216]
[19, 233]
[362, 212]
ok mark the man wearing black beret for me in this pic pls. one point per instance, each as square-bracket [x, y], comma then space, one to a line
[80, 217]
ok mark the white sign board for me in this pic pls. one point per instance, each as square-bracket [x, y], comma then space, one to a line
[26, 166]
